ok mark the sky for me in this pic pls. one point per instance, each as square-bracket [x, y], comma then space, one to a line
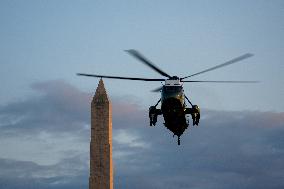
[45, 107]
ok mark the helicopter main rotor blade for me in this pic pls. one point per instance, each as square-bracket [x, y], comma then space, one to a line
[140, 57]
[117, 77]
[222, 81]
[157, 89]
[245, 56]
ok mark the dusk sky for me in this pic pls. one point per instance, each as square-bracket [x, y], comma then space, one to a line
[45, 107]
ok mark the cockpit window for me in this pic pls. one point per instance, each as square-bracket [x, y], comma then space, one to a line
[173, 88]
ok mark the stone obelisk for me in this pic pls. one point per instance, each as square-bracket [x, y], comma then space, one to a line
[101, 170]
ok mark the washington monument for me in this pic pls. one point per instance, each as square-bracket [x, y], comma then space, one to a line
[101, 170]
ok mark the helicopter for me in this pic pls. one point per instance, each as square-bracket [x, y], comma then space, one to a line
[173, 99]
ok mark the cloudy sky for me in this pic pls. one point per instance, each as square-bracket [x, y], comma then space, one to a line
[45, 107]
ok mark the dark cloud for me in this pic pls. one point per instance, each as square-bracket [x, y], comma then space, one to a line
[237, 149]
[61, 107]
[68, 173]
[228, 150]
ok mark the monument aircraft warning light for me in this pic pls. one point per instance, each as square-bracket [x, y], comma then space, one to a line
[173, 99]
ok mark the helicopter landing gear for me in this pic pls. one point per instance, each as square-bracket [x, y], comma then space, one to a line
[194, 112]
[195, 115]
[153, 114]
[178, 140]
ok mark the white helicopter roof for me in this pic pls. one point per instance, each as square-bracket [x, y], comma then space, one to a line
[173, 82]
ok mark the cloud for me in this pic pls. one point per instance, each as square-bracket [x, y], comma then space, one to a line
[44, 143]
[227, 150]
[53, 111]
[60, 108]
[70, 172]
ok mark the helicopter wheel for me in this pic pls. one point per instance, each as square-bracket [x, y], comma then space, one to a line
[178, 140]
